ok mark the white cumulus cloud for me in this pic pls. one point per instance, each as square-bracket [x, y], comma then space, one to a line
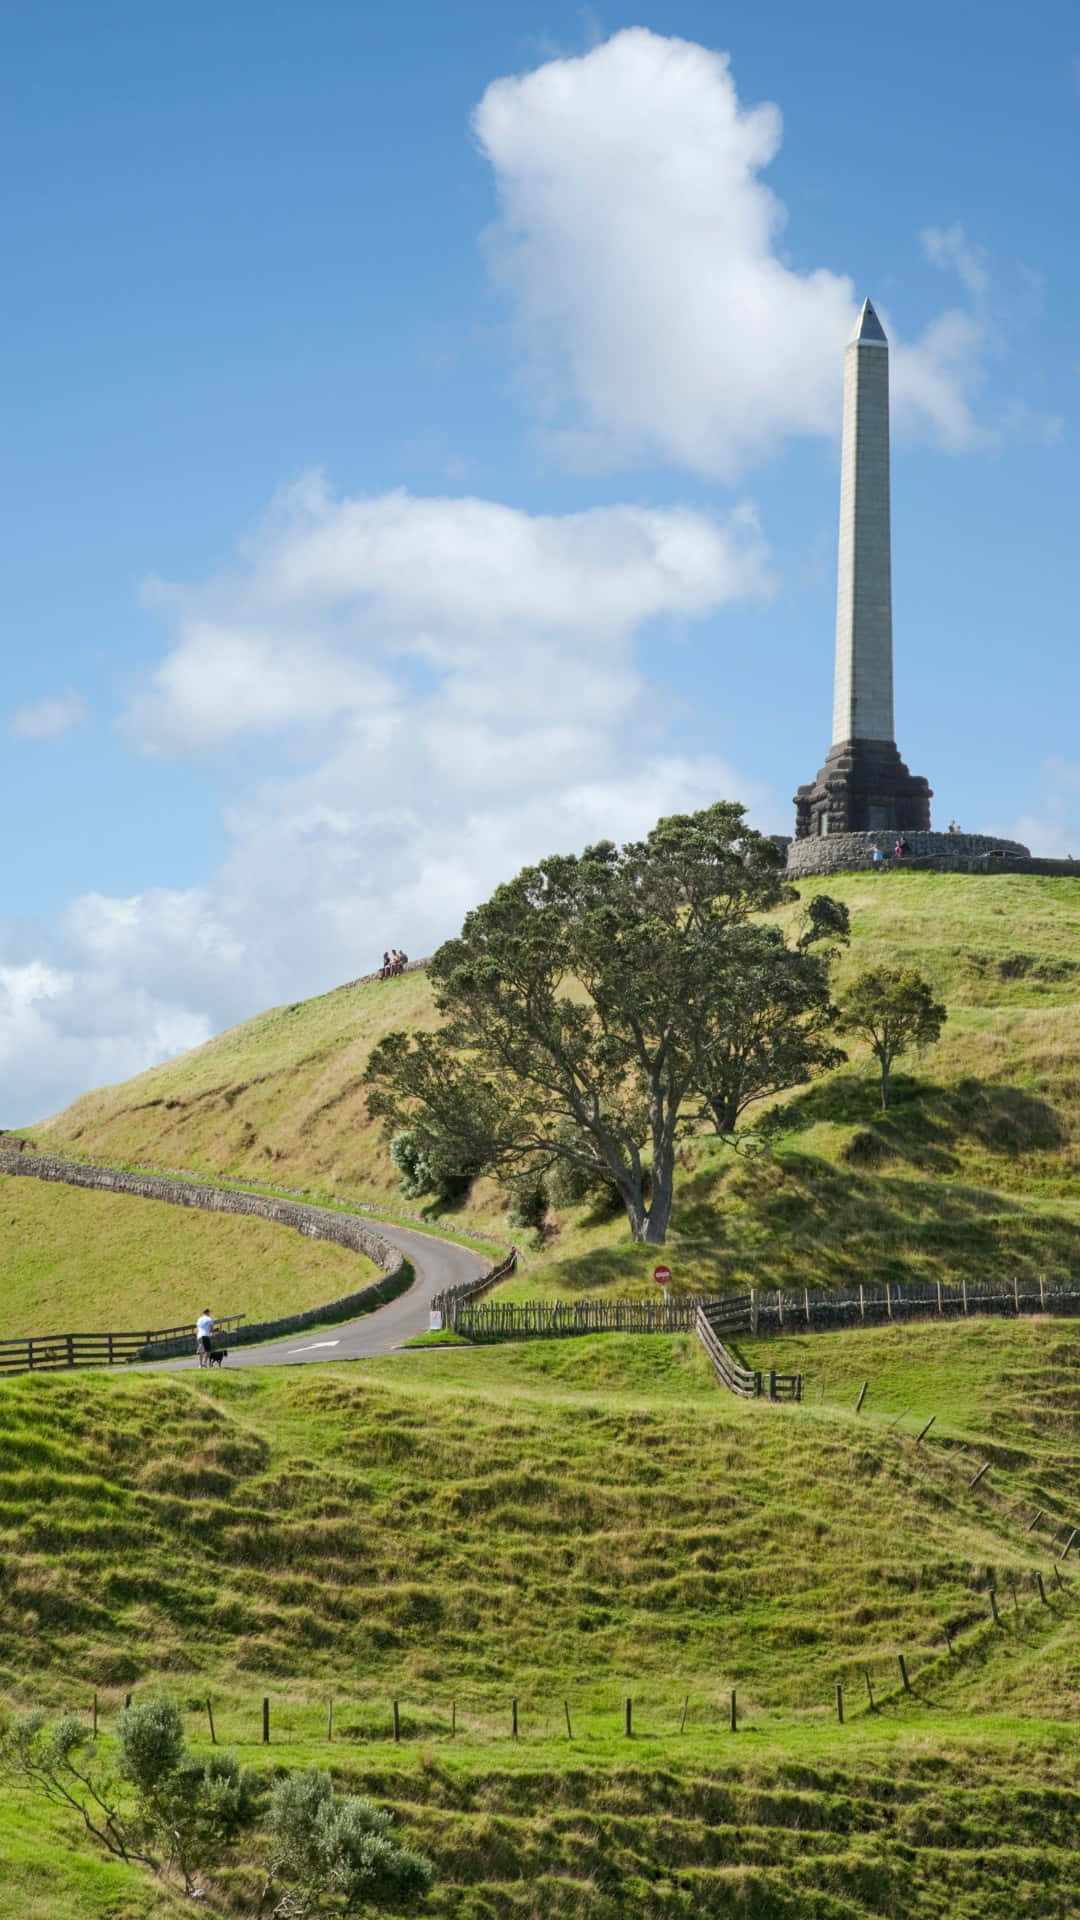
[640, 247]
[515, 623]
[441, 689]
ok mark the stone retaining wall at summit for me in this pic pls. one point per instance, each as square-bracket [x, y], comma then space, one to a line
[941, 852]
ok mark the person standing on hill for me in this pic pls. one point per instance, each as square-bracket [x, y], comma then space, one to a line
[204, 1327]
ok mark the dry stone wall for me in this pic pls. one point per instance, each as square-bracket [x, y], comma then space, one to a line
[317, 1223]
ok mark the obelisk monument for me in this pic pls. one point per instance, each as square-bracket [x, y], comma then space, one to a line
[864, 786]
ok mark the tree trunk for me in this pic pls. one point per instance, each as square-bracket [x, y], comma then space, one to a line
[884, 1086]
[638, 1218]
[663, 1184]
[725, 1114]
[631, 1193]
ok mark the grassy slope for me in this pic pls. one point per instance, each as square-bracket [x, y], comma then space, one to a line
[78, 1262]
[582, 1521]
[278, 1099]
[977, 1168]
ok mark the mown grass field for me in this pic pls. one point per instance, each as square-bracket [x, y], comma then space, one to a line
[577, 1522]
[976, 1168]
[75, 1261]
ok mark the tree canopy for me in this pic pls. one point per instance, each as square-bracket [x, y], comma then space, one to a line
[893, 1008]
[601, 1002]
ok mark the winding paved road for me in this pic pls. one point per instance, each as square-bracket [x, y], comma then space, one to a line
[436, 1263]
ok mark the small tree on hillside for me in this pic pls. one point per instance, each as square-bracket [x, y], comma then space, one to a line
[160, 1807]
[326, 1846]
[893, 1009]
[588, 1007]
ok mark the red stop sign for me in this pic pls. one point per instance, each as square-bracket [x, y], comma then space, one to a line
[662, 1276]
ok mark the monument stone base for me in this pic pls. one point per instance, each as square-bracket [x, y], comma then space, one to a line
[864, 787]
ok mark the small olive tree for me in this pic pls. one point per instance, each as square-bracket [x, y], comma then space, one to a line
[158, 1806]
[893, 1009]
[334, 1847]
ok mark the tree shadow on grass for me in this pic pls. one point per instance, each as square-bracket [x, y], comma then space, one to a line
[925, 1125]
[797, 1220]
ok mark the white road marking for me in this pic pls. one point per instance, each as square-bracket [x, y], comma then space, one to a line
[316, 1346]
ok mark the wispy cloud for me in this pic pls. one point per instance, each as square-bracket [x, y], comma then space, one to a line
[950, 247]
[49, 718]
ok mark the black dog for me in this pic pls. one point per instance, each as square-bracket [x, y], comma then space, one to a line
[215, 1359]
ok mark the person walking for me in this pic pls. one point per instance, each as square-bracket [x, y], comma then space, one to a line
[204, 1327]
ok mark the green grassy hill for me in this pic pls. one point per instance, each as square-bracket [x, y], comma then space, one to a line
[76, 1261]
[571, 1523]
[975, 1169]
[576, 1523]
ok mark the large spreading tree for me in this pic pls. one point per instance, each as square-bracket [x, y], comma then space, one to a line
[599, 1003]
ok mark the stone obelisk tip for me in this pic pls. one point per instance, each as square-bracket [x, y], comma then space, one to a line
[869, 331]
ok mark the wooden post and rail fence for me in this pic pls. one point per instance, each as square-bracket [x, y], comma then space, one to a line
[759, 1311]
[53, 1350]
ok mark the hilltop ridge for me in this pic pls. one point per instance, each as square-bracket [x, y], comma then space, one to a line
[978, 1160]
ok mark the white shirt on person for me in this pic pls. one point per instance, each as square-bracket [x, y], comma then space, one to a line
[204, 1326]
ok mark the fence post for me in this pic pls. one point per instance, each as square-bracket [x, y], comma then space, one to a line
[1042, 1295]
[397, 1722]
[840, 1703]
[806, 1303]
[994, 1608]
[772, 1383]
[95, 1716]
[569, 1728]
[963, 1290]
[1016, 1295]
[734, 1722]
[629, 1718]
[210, 1717]
[870, 1690]
[513, 1719]
[266, 1721]
[904, 1673]
[939, 1297]
[862, 1390]
[779, 1306]
[862, 1302]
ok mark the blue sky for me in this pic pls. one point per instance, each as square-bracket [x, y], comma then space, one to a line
[421, 452]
